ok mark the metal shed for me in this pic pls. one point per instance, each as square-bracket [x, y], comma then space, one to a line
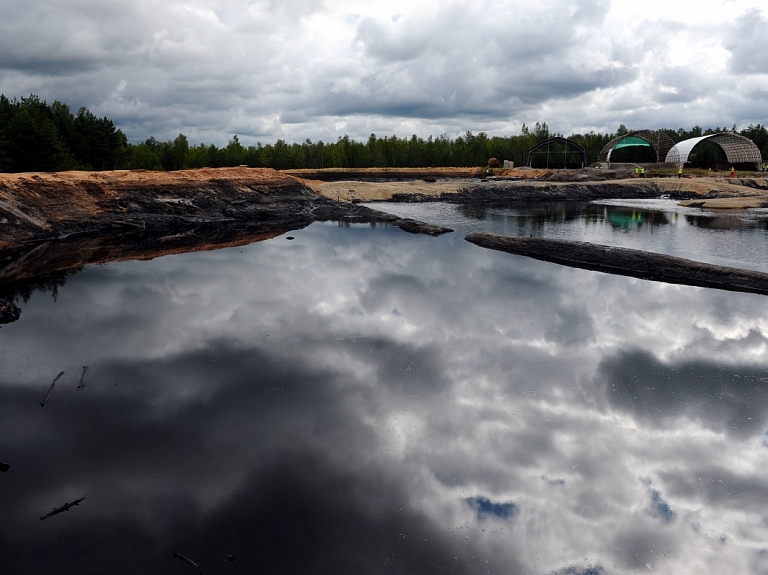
[738, 149]
[659, 141]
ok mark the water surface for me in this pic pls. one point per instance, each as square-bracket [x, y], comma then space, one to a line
[735, 238]
[363, 400]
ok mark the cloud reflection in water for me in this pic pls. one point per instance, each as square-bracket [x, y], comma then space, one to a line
[331, 404]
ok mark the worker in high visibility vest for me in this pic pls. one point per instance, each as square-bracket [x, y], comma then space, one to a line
[680, 172]
[637, 171]
[642, 172]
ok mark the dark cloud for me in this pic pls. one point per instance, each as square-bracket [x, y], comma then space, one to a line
[640, 548]
[516, 64]
[46, 40]
[591, 570]
[747, 43]
[288, 506]
[713, 485]
[571, 327]
[728, 398]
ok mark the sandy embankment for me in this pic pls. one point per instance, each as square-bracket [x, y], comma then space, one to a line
[710, 193]
[348, 191]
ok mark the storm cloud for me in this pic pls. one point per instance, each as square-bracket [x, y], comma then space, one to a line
[297, 69]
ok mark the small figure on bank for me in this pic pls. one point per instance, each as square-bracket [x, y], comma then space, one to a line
[637, 171]
[680, 172]
[642, 172]
[733, 172]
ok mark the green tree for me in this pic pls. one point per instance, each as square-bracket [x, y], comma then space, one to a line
[144, 157]
[234, 153]
[179, 153]
[197, 157]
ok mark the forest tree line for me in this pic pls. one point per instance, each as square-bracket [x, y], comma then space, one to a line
[36, 136]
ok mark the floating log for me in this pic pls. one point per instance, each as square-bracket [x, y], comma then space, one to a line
[627, 262]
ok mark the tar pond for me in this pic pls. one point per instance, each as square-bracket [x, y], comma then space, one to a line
[358, 399]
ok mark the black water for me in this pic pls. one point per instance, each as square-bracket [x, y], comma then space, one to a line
[730, 238]
[363, 400]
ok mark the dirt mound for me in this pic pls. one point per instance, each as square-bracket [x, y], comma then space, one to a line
[526, 173]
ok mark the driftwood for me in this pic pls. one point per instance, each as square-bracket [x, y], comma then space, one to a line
[81, 385]
[50, 389]
[63, 508]
[627, 262]
[187, 560]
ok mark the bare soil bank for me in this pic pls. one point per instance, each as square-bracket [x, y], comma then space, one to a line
[56, 206]
[723, 193]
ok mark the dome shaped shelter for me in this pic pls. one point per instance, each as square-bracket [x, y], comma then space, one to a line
[658, 141]
[559, 152]
[738, 149]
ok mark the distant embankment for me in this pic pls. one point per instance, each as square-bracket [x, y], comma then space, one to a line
[627, 262]
[384, 174]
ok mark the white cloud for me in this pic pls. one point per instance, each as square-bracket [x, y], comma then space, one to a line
[302, 69]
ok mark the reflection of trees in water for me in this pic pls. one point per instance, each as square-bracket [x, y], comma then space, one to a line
[534, 217]
[13, 292]
[534, 214]
[23, 289]
[725, 223]
[623, 218]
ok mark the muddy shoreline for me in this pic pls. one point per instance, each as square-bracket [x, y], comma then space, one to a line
[50, 223]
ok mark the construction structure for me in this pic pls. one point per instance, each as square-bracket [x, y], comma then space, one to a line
[557, 151]
[738, 149]
[656, 140]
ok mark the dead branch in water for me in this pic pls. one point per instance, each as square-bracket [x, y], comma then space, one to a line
[50, 389]
[187, 560]
[81, 385]
[63, 508]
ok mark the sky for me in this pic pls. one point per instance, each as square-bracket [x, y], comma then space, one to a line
[307, 69]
